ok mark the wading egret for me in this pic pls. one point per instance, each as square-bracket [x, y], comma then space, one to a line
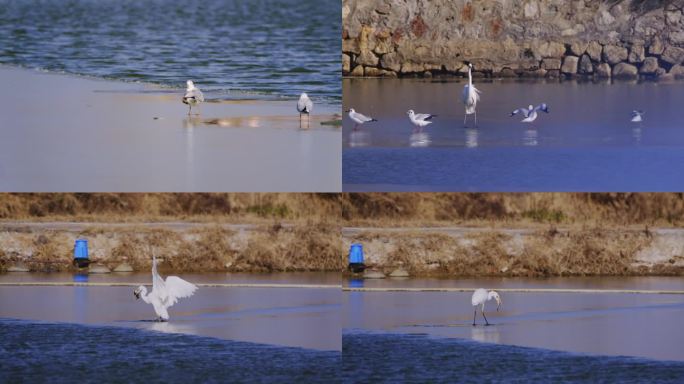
[420, 120]
[480, 297]
[471, 96]
[530, 113]
[636, 116]
[193, 96]
[164, 293]
[359, 118]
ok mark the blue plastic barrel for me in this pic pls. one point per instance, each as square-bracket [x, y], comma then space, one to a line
[356, 254]
[81, 249]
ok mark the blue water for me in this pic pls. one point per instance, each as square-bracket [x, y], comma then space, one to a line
[585, 143]
[70, 353]
[392, 358]
[277, 48]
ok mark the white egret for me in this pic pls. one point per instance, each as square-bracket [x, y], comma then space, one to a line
[164, 293]
[359, 118]
[420, 120]
[304, 106]
[193, 96]
[636, 116]
[471, 96]
[480, 297]
[530, 113]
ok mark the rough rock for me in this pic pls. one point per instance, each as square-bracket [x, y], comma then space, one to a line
[373, 274]
[550, 49]
[594, 50]
[357, 71]
[570, 65]
[612, 54]
[399, 272]
[625, 71]
[578, 48]
[603, 70]
[656, 47]
[673, 55]
[637, 53]
[98, 268]
[346, 62]
[123, 267]
[551, 64]
[18, 267]
[677, 71]
[390, 61]
[650, 66]
[367, 58]
[585, 65]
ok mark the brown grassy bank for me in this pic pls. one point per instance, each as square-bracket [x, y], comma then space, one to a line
[309, 246]
[530, 253]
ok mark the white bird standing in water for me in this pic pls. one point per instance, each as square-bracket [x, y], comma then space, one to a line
[636, 116]
[304, 106]
[193, 96]
[480, 297]
[358, 118]
[530, 113]
[471, 96]
[164, 293]
[420, 120]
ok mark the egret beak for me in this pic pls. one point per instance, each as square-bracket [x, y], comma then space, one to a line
[348, 110]
[498, 304]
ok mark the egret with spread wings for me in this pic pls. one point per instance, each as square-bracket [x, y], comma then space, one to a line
[164, 293]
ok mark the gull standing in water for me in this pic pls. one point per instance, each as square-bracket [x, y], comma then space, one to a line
[636, 116]
[359, 118]
[304, 106]
[420, 120]
[193, 96]
[480, 297]
[164, 293]
[530, 113]
[471, 96]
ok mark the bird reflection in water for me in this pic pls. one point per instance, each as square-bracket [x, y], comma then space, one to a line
[530, 138]
[485, 334]
[471, 136]
[359, 138]
[420, 139]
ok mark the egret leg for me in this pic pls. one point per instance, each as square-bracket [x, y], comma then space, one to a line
[474, 315]
[465, 116]
[475, 119]
[485, 317]
[189, 110]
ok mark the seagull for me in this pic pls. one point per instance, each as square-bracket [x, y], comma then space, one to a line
[304, 106]
[636, 116]
[530, 113]
[480, 297]
[420, 120]
[359, 118]
[471, 96]
[193, 96]
[164, 293]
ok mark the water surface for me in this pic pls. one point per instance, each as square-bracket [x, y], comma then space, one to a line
[68, 353]
[585, 143]
[273, 48]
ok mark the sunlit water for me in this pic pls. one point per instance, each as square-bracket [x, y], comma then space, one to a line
[275, 48]
[70, 353]
[391, 358]
[585, 143]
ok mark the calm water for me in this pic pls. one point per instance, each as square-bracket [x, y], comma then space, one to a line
[69, 353]
[586, 143]
[268, 47]
[417, 358]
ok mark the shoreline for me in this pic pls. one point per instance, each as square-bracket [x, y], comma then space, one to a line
[98, 135]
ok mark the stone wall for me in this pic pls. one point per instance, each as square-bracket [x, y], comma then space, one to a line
[505, 38]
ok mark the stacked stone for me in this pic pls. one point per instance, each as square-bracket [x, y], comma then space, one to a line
[383, 38]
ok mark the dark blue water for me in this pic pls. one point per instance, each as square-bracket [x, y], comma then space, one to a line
[270, 47]
[585, 143]
[69, 353]
[393, 358]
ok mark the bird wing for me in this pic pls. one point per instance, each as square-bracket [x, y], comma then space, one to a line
[304, 104]
[542, 107]
[479, 296]
[194, 93]
[637, 113]
[423, 116]
[158, 285]
[525, 112]
[177, 288]
[363, 118]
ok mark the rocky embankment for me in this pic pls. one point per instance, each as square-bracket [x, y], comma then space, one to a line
[531, 38]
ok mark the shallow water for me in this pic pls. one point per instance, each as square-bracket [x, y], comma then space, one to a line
[69, 353]
[585, 143]
[291, 317]
[276, 48]
[391, 358]
[617, 324]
